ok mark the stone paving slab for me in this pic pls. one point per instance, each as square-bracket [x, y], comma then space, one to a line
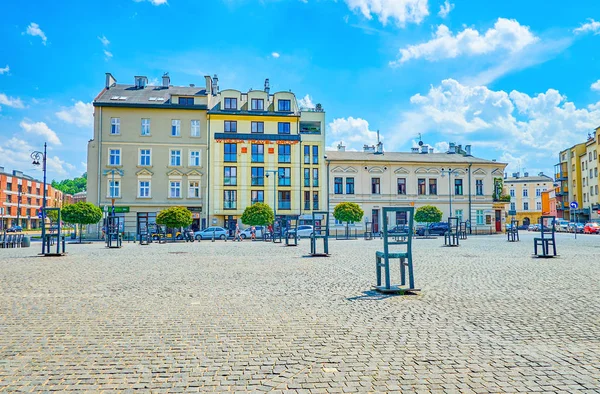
[261, 317]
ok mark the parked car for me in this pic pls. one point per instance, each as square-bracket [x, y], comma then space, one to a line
[561, 225]
[14, 229]
[207, 233]
[576, 227]
[304, 231]
[533, 227]
[247, 232]
[399, 229]
[523, 227]
[591, 228]
[434, 229]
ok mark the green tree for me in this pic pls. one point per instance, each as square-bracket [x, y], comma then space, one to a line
[428, 214]
[258, 214]
[348, 212]
[175, 217]
[81, 213]
[71, 186]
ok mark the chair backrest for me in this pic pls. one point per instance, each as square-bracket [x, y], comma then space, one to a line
[403, 237]
[547, 231]
[453, 224]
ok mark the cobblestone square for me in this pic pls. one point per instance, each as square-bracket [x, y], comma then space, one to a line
[259, 317]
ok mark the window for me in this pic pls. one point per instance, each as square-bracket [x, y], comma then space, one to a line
[230, 153]
[479, 187]
[285, 176]
[591, 173]
[115, 126]
[433, 187]
[229, 199]
[230, 126]
[538, 206]
[513, 206]
[307, 177]
[512, 192]
[195, 128]
[194, 189]
[306, 154]
[257, 196]
[591, 190]
[525, 192]
[596, 171]
[284, 199]
[258, 176]
[315, 200]
[458, 213]
[145, 127]
[401, 185]
[525, 206]
[284, 105]
[144, 189]
[258, 104]
[258, 153]
[285, 153]
[538, 192]
[175, 158]
[349, 185]
[194, 158]
[258, 127]
[145, 157]
[458, 187]
[175, 189]
[230, 103]
[315, 152]
[175, 128]
[595, 155]
[590, 156]
[230, 176]
[596, 189]
[315, 173]
[479, 215]
[375, 186]
[186, 101]
[338, 185]
[114, 157]
[306, 201]
[283, 127]
[421, 186]
[114, 188]
[29, 189]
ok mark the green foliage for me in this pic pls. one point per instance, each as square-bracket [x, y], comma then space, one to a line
[71, 186]
[348, 212]
[428, 214]
[258, 214]
[52, 215]
[81, 213]
[175, 217]
[504, 198]
[498, 187]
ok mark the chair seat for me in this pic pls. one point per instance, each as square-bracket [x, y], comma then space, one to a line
[392, 255]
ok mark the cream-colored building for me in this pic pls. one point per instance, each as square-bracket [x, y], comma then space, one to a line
[526, 195]
[589, 179]
[149, 150]
[375, 179]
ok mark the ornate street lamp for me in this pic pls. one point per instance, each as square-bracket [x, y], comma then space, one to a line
[37, 156]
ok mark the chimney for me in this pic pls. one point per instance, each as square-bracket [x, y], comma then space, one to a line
[525, 174]
[140, 81]
[267, 86]
[424, 149]
[367, 148]
[468, 150]
[166, 80]
[459, 149]
[215, 85]
[208, 83]
[415, 150]
[341, 147]
[430, 150]
[451, 147]
[110, 81]
[515, 174]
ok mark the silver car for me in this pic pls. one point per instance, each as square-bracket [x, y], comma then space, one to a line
[304, 231]
[207, 233]
[246, 234]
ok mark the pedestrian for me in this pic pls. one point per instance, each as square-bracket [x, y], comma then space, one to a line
[238, 236]
[253, 233]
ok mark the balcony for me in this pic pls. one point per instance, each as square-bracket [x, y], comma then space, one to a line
[561, 176]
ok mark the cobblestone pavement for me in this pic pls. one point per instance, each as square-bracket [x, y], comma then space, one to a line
[247, 316]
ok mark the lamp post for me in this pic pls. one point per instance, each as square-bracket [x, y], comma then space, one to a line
[37, 156]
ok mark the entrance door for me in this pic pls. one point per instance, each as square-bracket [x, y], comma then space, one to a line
[375, 220]
[498, 221]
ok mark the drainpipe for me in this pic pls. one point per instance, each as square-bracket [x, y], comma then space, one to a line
[470, 222]
[208, 219]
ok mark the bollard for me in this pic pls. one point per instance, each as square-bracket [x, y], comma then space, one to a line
[213, 237]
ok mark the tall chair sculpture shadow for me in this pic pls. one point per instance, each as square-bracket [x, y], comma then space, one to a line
[546, 238]
[396, 246]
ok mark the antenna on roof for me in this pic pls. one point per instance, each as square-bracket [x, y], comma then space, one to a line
[420, 140]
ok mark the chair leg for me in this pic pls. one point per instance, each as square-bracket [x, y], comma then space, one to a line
[378, 269]
[411, 279]
[402, 272]
[387, 272]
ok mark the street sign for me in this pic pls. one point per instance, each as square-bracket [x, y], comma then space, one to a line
[512, 213]
[574, 205]
[106, 208]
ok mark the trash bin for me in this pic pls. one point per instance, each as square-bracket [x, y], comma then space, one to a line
[26, 242]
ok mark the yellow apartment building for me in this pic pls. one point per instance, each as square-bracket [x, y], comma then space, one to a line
[526, 195]
[568, 176]
[589, 178]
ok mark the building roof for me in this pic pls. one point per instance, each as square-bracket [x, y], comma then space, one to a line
[535, 178]
[408, 157]
[155, 96]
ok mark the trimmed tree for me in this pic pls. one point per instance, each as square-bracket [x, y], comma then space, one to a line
[175, 217]
[258, 214]
[81, 213]
[348, 212]
[428, 214]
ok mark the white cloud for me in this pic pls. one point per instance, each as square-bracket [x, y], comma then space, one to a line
[4, 70]
[80, 114]
[306, 102]
[58, 166]
[596, 85]
[153, 2]
[11, 101]
[104, 40]
[34, 30]
[16, 153]
[591, 26]
[107, 55]
[354, 132]
[41, 129]
[445, 9]
[400, 11]
[275, 55]
[507, 34]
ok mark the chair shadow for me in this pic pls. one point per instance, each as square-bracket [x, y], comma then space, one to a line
[375, 295]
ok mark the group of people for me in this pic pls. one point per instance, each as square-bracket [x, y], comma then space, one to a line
[238, 233]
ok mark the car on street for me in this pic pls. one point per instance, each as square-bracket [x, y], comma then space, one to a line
[304, 231]
[207, 233]
[523, 227]
[591, 228]
[533, 227]
[576, 227]
[399, 229]
[561, 225]
[434, 229]
[14, 229]
[246, 234]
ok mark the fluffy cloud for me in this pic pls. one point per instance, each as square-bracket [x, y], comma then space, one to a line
[16, 153]
[445, 9]
[596, 85]
[80, 114]
[507, 34]
[4, 70]
[10, 101]
[41, 129]
[399, 11]
[306, 102]
[591, 26]
[153, 2]
[354, 132]
[34, 30]
[275, 55]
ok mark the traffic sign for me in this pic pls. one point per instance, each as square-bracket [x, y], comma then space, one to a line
[574, 205]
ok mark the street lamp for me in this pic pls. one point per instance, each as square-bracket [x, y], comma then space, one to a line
[112, 187]
[37, 156]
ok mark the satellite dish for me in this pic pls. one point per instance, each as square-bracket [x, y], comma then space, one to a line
[420, 143]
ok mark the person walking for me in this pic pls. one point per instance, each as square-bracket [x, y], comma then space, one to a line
[238, 236]
[253, 233]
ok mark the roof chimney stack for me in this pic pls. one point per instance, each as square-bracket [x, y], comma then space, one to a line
[215, 85]
[140, 82]
[525, 174]
[341, 147]
[267, 86]
[110, 81]
[468, 150]
[451, 147]
[166, 80]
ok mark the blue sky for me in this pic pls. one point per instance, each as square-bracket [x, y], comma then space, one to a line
[518, 80]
